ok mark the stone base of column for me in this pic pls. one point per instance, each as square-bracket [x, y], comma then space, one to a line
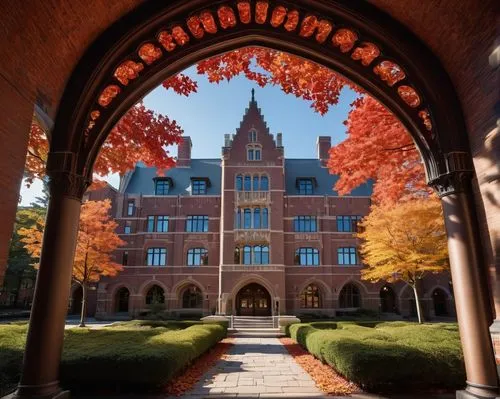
[495, 338]
[468, 395]
[58, 395]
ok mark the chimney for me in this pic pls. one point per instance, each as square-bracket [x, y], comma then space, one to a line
[323, 145]
[227, 140]
[279, 140]
[184, 152]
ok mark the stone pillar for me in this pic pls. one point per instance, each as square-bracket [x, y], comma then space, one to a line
[471, 291]
[46, 328]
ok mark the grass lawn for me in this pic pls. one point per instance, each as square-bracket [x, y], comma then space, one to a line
[387, 356]
[144, 354]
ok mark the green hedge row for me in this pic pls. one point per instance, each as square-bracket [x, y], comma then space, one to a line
[387, 356]
[136, 353]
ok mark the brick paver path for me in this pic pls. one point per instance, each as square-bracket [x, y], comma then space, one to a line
[256, 368]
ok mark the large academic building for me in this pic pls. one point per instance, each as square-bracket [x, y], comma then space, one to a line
[251, 233]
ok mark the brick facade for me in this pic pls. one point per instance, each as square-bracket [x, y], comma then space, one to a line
[219, 283]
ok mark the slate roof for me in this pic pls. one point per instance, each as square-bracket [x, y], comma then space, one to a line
[141, 180]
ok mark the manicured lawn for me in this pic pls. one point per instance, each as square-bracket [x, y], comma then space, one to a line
[144, 354]
[387, 356]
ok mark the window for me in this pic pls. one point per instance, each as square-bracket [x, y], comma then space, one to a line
[248, 183]
[239, 183]
[252, 136]
[347, 256]
[349, 297]
[253, 218]
[155, 296]
[305, 223]
[254, 153]
[247, 218]
[256, 218]
[192, 298]
[197, 257]
[128, 228]
[265, 216]
[130, 208]
[307, 257]
[305, 186]
[256, 255]
[310, 297]
[264, 183]
[156, 257]
[199, 187]
[162, 187]
[157, 224]
[256, 180]
[125, 258]
[197, 224]
[347, 223]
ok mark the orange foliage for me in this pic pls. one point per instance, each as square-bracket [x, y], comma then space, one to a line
[378, 147]
[323, 375]
[96, 242]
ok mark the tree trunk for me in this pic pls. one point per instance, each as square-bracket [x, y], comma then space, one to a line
[84, 305]
[417, 303]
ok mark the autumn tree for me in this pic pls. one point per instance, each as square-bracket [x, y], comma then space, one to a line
[404, 242]
[95, 244]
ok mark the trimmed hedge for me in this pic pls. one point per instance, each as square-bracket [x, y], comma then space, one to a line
[142, 354]
[387, 356]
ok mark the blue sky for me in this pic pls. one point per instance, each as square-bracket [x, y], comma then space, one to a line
[218, 109]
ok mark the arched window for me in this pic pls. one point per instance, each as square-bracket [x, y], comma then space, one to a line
[265, 217]
[247, 255]
[310, 297]
[255, 183]
[121, 300]
[265, 255]
[239, 182]
[256, 218]
[307, 256]
[197, 257]
[248, 183]
[257, 255]
[252, 136]
[155, 295]
[192, 298]
[264, 183]
[349, 297]
[247, 222]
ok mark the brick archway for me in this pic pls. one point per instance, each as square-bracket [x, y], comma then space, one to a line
[160, 39]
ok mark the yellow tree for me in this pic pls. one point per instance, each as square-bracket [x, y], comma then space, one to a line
[96, 241]
[404, 242]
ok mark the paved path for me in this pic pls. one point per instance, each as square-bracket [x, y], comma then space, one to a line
[256, 368]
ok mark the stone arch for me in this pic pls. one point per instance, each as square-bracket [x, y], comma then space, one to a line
[325, 290]
[356, 300]
[179, 286]
[252, 278]
[351, 280]
[428, 293]
[144, 287]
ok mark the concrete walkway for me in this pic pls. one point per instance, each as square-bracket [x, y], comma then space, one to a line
[256, 367]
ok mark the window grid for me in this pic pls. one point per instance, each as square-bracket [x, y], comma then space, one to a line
[310, 298]
[252, 218]
[252, 183]
[192, 298]
[306, 256]
[197, 223]
[130, 208]
[348, 223]
[199, 187]
[162, 187]
[306, 187]
[158, 224]
[349, 297]
[256, 255]
[306, 224]
[252, 136]
[347, 256]
[197, 257]
[254, 153]
[156, 257]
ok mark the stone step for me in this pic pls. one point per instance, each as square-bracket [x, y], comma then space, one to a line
[255, 332]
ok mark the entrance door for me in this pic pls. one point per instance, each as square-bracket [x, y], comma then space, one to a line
[253, 300]
[387, 300]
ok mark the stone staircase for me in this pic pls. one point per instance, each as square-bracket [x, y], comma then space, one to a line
[255, 326]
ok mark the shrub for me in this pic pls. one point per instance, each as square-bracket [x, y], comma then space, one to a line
[387, 356]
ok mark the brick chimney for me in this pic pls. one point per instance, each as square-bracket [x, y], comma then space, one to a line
[184, 152]
[323, 145]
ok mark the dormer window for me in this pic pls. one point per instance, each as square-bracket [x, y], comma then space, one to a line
[254, 152]
[252, 136]
[305, 186]
[199, 185]
[162, 186]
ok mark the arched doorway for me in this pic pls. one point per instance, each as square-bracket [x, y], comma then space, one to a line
[253, 300]
[155, 296]
[162, 40]
[121, 300]
[439, 300]
[76, 301]
[388, 300]
[192, 298]
[349, 297]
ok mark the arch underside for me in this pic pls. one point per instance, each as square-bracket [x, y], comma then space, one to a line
[89, 108]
